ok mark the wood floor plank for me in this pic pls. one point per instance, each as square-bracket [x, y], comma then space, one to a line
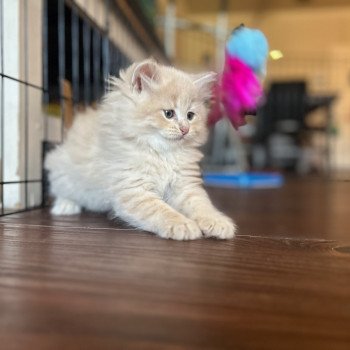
[85, 282]
[311, 208]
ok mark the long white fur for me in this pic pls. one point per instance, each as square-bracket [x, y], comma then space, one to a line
[126, 157]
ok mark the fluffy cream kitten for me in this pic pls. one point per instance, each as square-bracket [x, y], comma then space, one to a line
[138, 155]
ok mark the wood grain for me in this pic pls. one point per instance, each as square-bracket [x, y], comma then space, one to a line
[85, 282]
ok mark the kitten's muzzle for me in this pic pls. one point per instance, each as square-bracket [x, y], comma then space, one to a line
[184, 129]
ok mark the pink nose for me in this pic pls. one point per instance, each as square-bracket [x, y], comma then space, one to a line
[184, 129]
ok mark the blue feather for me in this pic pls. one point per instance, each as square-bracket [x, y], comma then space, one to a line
[250, 46]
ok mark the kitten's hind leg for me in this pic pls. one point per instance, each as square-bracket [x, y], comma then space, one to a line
[64, 206]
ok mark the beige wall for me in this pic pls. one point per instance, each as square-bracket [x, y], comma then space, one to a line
[316, 45]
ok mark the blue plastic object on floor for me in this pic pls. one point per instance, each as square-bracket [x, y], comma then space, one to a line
[244, 180]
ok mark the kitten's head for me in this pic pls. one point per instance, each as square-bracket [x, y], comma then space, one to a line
[170, 105]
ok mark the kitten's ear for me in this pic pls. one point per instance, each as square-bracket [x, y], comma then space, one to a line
[145, 75]
[204, 82]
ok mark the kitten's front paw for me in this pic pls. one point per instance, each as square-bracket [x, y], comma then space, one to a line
[218, 226]
[64, 206]
[183, 230]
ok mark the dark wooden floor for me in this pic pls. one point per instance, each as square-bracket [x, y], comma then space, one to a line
[85, 282]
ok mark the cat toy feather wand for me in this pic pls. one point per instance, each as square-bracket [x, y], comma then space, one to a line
[239, 88]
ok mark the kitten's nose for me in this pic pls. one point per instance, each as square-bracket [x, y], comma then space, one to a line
[184, 129]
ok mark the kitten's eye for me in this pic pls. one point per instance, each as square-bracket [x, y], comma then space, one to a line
[169, 113]
[190, 115]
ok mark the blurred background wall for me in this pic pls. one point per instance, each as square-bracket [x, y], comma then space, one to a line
[312, 35]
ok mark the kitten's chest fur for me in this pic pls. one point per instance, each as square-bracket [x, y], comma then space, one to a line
[165, 171]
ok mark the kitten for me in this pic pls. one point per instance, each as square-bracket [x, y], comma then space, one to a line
[138, 155]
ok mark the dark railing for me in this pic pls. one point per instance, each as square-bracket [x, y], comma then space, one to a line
[76, 51]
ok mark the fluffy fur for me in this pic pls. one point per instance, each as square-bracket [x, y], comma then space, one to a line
[128, 158]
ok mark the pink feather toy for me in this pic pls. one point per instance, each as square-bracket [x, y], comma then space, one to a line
[239, 89]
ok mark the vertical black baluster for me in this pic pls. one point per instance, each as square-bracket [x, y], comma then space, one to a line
[45, 96]
[75, 54]
[111, 58]
[61, 59]
[86, 46]
[106, 45]
[119, 59]
[96, 63]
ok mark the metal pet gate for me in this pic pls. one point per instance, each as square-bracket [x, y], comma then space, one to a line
[55, 56]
